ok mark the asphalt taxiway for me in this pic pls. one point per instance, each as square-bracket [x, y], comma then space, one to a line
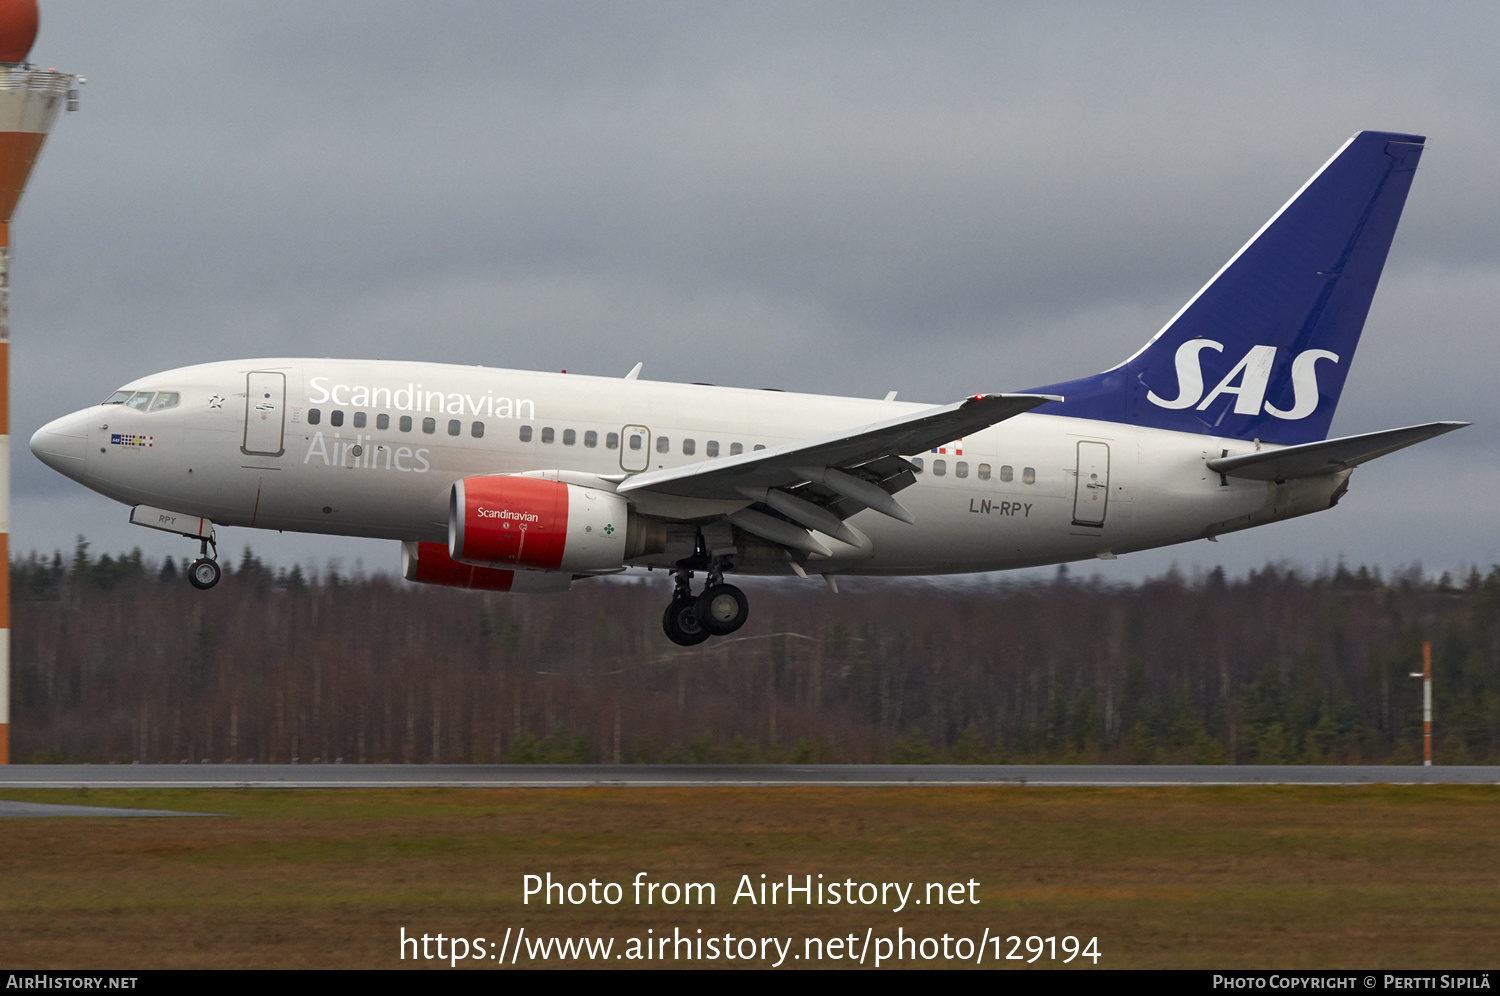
[9, 808]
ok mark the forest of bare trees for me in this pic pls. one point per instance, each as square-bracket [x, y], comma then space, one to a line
[119, 660]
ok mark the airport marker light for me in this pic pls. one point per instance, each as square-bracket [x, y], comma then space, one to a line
[29, 102]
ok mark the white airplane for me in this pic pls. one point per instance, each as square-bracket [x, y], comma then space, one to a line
[526, 482]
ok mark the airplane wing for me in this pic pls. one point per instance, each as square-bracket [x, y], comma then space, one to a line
[835, 475]
[1326, 456]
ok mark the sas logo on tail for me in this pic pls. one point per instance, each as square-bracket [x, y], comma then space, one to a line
[1247, 381]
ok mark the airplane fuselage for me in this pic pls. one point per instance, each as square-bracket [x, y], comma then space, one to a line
[373, 448]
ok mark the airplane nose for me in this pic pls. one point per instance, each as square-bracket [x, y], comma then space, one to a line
[60, 444]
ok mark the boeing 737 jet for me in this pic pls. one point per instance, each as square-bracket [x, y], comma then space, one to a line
[515, 481]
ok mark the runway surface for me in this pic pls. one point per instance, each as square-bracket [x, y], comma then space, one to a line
[288, 776]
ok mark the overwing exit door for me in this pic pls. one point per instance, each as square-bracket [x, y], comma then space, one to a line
[635, 448]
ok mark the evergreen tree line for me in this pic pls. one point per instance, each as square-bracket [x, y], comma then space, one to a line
[115, 659]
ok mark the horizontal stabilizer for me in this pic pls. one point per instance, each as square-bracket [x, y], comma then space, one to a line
[1328, 456]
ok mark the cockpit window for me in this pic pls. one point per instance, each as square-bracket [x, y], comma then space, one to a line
[142, 401]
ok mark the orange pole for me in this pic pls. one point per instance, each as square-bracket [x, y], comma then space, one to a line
[4, 492]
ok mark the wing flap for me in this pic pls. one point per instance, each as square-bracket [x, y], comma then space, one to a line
[1328, 456]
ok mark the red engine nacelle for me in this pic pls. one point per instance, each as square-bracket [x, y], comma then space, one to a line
[532, 523]
[429, 563]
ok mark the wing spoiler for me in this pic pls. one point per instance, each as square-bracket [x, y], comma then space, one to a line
[1328, 456]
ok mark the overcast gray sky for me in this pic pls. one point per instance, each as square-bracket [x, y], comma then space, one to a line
[848, 198]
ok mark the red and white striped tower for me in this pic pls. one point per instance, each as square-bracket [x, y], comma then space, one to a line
[29, 102]
[1426, 675]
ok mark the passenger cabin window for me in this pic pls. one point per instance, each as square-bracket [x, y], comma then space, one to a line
[961, 469]
[405, 423]
[984, 472]
[635, 440]
[314, 416]
[688, 446]
[359, 420]
[663, 444]
[429, 425]
[140, 401]
[612, 441]
[525, 433]
[917, 461]
[1006, 473]
[477, 430]
[164, 400]
[939, 468]
[336, 417]
[711, 447]
[455, 426]
[760, 446]
[1028, 475]
[735, 449]
[570, 436]
[547, 434]
[382, 421]
[591, 439]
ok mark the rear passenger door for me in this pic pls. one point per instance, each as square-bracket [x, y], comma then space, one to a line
[1091, 489]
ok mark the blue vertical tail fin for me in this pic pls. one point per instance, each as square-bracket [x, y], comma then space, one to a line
[1262, 351]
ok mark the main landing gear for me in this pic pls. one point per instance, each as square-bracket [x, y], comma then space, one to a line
[718, 610]
[204, 572]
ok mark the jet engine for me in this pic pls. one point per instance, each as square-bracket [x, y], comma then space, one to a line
[429, 563]
[532, 523]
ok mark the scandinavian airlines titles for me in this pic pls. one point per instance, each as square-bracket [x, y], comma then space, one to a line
[357, 454]
[505, 513]
[414, 398]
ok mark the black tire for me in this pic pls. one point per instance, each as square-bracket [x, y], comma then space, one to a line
[680, 623]
[204, 574]
[722, 609]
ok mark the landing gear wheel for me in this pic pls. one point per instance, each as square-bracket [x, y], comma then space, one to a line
[680, 623]
[722, 609]
[204, 574]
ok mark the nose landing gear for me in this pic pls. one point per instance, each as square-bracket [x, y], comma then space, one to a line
[204, 572]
